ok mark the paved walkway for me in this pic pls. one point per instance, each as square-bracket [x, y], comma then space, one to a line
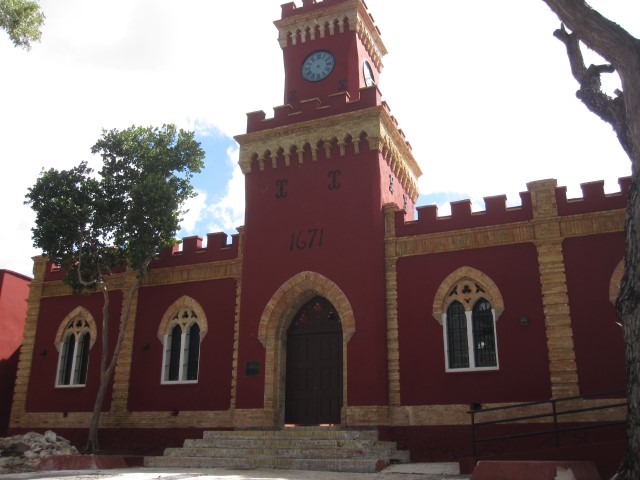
[412, 471]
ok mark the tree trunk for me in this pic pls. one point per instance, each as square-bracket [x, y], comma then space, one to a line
[92, 443]
[107, 372]
[628, 306]
[622, 50]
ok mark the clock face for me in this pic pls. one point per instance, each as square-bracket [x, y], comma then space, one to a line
[318, 66]
[367, 73]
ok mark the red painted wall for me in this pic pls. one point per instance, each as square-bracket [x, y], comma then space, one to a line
[522, 351]
[213, 390]
[42, 395]
[351, 255]
[8, 370]
[14, 290]
[590, 262]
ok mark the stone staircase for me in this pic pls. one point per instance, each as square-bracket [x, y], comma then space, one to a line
[296, 448]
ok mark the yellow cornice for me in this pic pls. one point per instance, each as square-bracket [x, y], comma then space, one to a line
[289, 140]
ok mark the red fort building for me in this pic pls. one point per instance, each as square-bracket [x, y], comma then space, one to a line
[340, 306]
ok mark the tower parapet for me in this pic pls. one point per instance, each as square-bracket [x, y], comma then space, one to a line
[304, 24]
[290, 136]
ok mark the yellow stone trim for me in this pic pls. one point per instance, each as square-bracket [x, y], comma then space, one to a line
[59, 288]
[19, 403]
[458, 414]
[616, 280]
[272, 332]
[236, 326]
[391, 292]
[354, 11]
[71, 317]
[491, 292]
[162, 419]
[412, 415]
[122, 371]
[510, 234]
[563, 369]
[376, 122]
[193, 273]
[367, 415]
[184, 302]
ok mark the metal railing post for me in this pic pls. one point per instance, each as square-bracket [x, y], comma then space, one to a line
[473, 432]
[556, 433]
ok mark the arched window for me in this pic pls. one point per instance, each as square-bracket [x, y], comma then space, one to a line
[457, 343]
[466, 307]
[75, 338]
[181, 332]
[470, 336]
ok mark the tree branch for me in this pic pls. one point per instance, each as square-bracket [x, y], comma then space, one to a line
[611, 110]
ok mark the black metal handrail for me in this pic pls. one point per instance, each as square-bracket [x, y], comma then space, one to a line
[554, 414]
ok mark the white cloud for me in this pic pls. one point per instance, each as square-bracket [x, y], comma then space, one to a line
[195, 207]
[228, 213]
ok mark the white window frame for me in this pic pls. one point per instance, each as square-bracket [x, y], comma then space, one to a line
[184, 354]
[470, 341]
[73, 381]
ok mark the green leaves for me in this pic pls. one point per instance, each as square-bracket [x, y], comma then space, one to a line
[127, 214]
[22, 19]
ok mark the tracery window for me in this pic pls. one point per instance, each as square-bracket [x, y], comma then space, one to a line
[74, 340]
[466, 307]
[183, 331]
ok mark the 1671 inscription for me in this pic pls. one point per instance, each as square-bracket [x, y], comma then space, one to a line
[306, 239]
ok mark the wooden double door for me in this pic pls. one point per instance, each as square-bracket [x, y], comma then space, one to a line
[314, 365]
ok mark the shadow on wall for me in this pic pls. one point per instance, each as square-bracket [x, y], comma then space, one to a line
[8, 369]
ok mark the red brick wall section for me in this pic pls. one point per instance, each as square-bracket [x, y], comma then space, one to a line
[14, 290]
[213, 389]
[590, 262]
[348, 249]
[43, 395]
[524, 367]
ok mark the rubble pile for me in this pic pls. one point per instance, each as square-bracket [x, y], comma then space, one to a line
[22, 453]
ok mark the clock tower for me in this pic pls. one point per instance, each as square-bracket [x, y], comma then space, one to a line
[328, 47]
[312, 340]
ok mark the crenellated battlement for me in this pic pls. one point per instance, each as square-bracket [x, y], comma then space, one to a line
[542, 199]
[192, 251]
[313, 109]
[306, 133]
[593, 198]
[316, 20]
[218, 249]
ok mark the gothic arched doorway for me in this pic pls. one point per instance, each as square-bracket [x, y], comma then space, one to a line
[314, 365]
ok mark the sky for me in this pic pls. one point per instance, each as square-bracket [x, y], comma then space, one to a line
[482, 90]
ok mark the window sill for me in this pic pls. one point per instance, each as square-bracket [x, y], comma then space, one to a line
[471, 370]
[179, 382]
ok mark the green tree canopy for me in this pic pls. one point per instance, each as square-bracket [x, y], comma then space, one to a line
[89, 223]
[22, 20]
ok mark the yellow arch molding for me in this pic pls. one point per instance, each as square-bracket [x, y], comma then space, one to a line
[272, 332]
[492, 293]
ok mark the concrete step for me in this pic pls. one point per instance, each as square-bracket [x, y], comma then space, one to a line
[283, 443]
[332, 465]
[376, 452]
[311, 448]
[296, 432]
